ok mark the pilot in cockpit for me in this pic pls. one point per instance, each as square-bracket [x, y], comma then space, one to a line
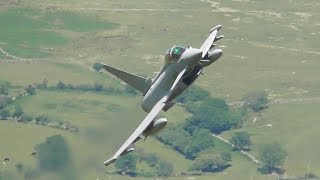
[174, 53]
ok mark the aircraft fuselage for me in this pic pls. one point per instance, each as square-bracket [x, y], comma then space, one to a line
[164, 81]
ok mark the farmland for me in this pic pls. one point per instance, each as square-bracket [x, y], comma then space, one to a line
[271, 46]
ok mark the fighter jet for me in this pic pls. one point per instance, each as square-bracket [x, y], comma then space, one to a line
[182, 67]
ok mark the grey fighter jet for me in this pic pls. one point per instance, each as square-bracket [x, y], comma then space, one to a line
[181, 68]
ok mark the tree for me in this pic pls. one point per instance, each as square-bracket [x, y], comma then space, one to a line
[212, 114]
[193, 93]
[201, 140]
[4, 89]
[149, 158]
[187, 144]
[4, 101]
[130, 90]
[4, 114]
[211, 161]
[256, 100]
[25, 118]
[19, 167]
[272, 155]
[42, 119]
[97, 66]
[18, 111]
[31, 90]
[53, 154]
[127, 163]
[165, 168]
[176, 137]
[241, 140]
[97, 86]
[192, 98]
[61, 86]
[30, 174]
[43, 84]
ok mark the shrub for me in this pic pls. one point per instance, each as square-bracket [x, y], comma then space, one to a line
[98, 87]
[19, 167]
[61, 86]
[201, 140]
[18, 111]
[53, 154]
[211, 162]
[31, 90]
[212, 114]
[4, 114]
[42, 119]
[4, 101]
[256, 100]
[4, 89]
[241, 140]
[272, 155]
[127, 163]
[165, 168]
[25, 118]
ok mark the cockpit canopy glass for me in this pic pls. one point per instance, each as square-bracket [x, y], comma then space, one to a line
[174, 53]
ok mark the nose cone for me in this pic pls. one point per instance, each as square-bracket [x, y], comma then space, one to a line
[191, 56]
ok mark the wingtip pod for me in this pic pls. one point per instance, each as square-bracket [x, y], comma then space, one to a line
[218, 27]
[109, 161]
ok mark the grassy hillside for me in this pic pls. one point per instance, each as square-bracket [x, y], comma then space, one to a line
[269, 45]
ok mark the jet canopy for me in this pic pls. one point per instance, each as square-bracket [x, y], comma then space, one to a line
[174, 53]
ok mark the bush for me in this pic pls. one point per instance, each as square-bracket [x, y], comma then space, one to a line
[192, 98]
[175, 137]
[130, 90]
[241, 140]
[85, 87]
[43, 84]
[98, 87]
[4, 101]
[211, 162]
[272, 156]
[310, 176]
[18, 111]
[149, 158]
[25, 118]
[61, 86]
[214, 115]
[42, 119]
[193, 93]
[30, 174]
[19, 167]
[188, 144]
[4, 114]
[53, 154]
[31, 90]
[256, 100]
[4, 89]
[201, 140]
[165, 168]
[127, 163]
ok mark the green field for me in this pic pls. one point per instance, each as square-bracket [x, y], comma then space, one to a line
[31, 33]
[269, 45]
